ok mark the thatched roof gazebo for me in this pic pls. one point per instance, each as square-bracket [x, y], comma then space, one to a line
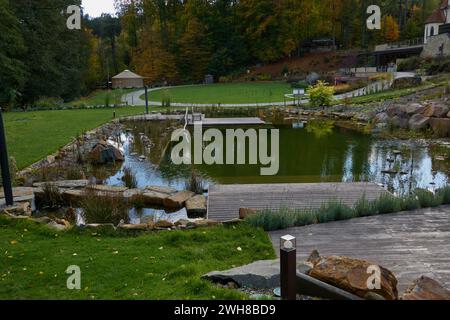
[127, 79]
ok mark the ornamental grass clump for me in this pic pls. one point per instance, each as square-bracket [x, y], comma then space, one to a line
[387, 203]
[428, 199]
[103, 208]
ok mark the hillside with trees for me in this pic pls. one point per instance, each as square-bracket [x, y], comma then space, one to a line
[177, 41]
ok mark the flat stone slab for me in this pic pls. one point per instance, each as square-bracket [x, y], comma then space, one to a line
[65, 184]
[196, 205]
[169, 191]
[263, 274]
[178, 200]
[410, 244]
[154, 198]
[112, 189]
[18, 192]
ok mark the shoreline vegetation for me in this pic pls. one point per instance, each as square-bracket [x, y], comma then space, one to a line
[284, 217]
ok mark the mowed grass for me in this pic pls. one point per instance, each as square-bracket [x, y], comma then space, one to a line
[227, 93]
[32, 136]
[164, 265]
[99, 97]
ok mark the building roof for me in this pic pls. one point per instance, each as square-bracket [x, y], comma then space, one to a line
[438, 16]
[127, 74]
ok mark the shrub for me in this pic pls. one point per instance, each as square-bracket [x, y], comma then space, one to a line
[410, 202]
[129, 179]
[321, 94]
[387, 203]
[334, 211]
[49, 103]
[428, 199]
[410, 64]
[103, 208]
[50, 197]
[364, 207]
[444, 194]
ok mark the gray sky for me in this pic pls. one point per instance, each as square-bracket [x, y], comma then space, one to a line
[96, 7]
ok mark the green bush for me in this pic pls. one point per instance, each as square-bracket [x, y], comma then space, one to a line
[334, 211]
[387, 203]
[321, 94]
[364, 207]
[49, 103]
[444, 195]
[428, 199]
[410, 202]
[410, 64]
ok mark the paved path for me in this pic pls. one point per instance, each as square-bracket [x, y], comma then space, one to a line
[224, 201]
[134, 98]
[410, 244]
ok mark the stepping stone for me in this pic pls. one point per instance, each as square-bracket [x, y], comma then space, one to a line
[166, 190]
[65, 184]
[178, 200]
[154, 198]
[103, 188]
[196, 205]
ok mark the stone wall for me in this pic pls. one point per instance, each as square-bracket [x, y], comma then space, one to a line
[431, 49]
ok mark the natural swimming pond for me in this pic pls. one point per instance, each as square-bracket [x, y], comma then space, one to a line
[314, 153]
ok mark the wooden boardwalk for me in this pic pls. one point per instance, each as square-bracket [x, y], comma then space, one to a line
[224, 201]
[410, 244]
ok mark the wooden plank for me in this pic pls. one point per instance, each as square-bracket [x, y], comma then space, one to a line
[226, 200]
[410, 244]
[229, 121]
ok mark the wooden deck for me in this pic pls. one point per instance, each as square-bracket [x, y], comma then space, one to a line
[224, 201]
[410, 244]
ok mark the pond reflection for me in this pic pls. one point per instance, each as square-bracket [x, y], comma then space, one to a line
[340, 155]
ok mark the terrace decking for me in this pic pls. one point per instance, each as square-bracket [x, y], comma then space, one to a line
[211, 122]
[224, 201]
[410, 244]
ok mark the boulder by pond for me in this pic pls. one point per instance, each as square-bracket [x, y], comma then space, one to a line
[196, 205]
[178, 200]
[103, 153]
[418, 122]
[425, 288]
[351, 275]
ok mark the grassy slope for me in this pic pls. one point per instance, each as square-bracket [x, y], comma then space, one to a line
[253, 92]
[33, 135]
[165, 265]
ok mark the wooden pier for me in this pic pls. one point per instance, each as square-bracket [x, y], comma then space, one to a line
[212, 122]
[224, 201]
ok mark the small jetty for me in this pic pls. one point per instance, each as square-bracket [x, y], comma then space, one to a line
[224, 201]
[200, 119]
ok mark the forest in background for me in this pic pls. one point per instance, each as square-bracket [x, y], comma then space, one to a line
[177, 41]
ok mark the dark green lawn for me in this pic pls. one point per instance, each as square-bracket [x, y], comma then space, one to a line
[32, 136]
[164, 265]
[220, 93]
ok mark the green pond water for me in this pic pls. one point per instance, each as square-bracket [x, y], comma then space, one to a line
[311, 154]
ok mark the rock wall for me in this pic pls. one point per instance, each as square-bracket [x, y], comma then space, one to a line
[432, 48]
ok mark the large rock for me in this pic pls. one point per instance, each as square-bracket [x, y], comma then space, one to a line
[382, 118]
[312, 78]
[152, 198]
[440, 111]
[412, 108]
[426, 289]
[103, 153]
[73, 196]
[441, 127]
[178, 200]
[418, 122]
[196, 205]
[352, 275]
[258, 275]
[399, 122]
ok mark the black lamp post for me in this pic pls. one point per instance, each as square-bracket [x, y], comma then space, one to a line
[288, 267]
[7, 187]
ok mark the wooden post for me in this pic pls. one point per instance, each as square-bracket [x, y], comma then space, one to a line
[4, 162]
[288, 268]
